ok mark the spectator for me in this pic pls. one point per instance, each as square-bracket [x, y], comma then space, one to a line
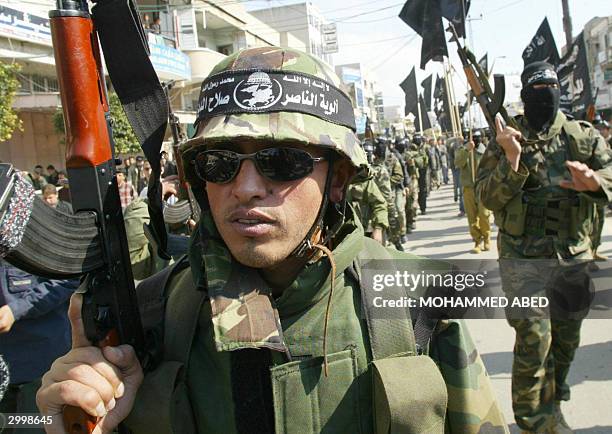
[126, 189]
[62, 178]
[156, 26]
[145, 174]
[34, 331]
[443, 152]
[52, 174]
[51, 198]
[168, 167]
[134, 172]
[146, 21]
[36, 178]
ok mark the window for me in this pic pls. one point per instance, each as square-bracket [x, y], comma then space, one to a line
[38, 83]
[24, 84]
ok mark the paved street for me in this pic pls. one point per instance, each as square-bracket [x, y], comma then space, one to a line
[441, 234]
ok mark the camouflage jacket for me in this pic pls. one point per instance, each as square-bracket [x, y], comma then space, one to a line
[240, 313]
[370, 204]
[382, 179]
[395, 169]
[538, 218]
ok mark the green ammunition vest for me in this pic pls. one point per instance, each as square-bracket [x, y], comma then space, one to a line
[305, 401]
[542, 208]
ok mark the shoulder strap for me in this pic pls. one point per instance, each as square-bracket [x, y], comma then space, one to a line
[182, 314]
[409, 330]
[396, 331]
[151, 294]
[163, 312]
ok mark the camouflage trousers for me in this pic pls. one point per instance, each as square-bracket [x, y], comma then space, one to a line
[544, 347]
[412, 202]
[400, 205]
[393, 221]
[543, 352]
[599, 217]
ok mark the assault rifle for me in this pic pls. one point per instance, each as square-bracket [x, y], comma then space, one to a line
[110, 309]
[491, 102]
[187, 207]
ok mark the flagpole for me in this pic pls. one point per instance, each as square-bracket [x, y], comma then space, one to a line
[449, 99]
[455, 108]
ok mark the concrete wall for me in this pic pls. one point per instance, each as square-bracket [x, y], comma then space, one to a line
[38, 143]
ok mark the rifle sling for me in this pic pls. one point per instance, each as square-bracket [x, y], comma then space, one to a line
[137, 86]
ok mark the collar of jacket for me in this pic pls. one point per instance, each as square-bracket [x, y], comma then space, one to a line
[244, 313]
[554, 129]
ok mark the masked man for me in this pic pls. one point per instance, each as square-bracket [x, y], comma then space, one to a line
[263, 331]
[542, 181]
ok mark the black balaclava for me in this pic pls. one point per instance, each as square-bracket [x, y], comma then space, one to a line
[541, 105]
[369, 149]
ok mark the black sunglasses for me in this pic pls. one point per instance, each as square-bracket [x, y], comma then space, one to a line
[277, 164]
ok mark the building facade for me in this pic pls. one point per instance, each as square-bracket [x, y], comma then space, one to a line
[363, 90]
[185, 40]
[300, 26]
[598, 39]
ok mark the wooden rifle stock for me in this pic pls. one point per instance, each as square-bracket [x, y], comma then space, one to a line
[110, 311]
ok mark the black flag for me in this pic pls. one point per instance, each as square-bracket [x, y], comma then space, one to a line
[424, 117]
[426, 84]
[573, 72]
[409, 86]
[542, 46]
[425, 18]
[456, 11]
[484, 63]
[441, 105]
[438, 90]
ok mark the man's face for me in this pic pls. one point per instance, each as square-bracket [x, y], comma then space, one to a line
[51, 199]
[139, 163]
[120, 178]
[50, 171]
[263, 221]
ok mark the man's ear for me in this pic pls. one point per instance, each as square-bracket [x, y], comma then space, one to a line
[343, 171]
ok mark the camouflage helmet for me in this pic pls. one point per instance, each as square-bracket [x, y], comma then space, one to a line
[275, 126]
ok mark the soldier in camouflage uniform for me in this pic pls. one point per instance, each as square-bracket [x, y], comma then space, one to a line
[414, 159]
[398, 226]
[262, 331]
[542, 194]
[370, 201]
[422, 164]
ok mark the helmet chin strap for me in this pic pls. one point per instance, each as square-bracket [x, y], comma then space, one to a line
[318, 234]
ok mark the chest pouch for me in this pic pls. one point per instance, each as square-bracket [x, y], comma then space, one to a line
[409, 392]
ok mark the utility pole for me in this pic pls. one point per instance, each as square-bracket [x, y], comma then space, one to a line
[567, 24]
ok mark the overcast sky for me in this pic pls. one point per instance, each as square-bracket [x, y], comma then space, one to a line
[382, 42]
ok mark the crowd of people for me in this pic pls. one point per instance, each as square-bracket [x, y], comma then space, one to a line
[406, 169]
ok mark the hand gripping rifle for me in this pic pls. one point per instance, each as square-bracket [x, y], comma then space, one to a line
[187, 207]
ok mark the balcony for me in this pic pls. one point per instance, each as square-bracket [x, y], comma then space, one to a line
[202, 61]
[37, 101]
